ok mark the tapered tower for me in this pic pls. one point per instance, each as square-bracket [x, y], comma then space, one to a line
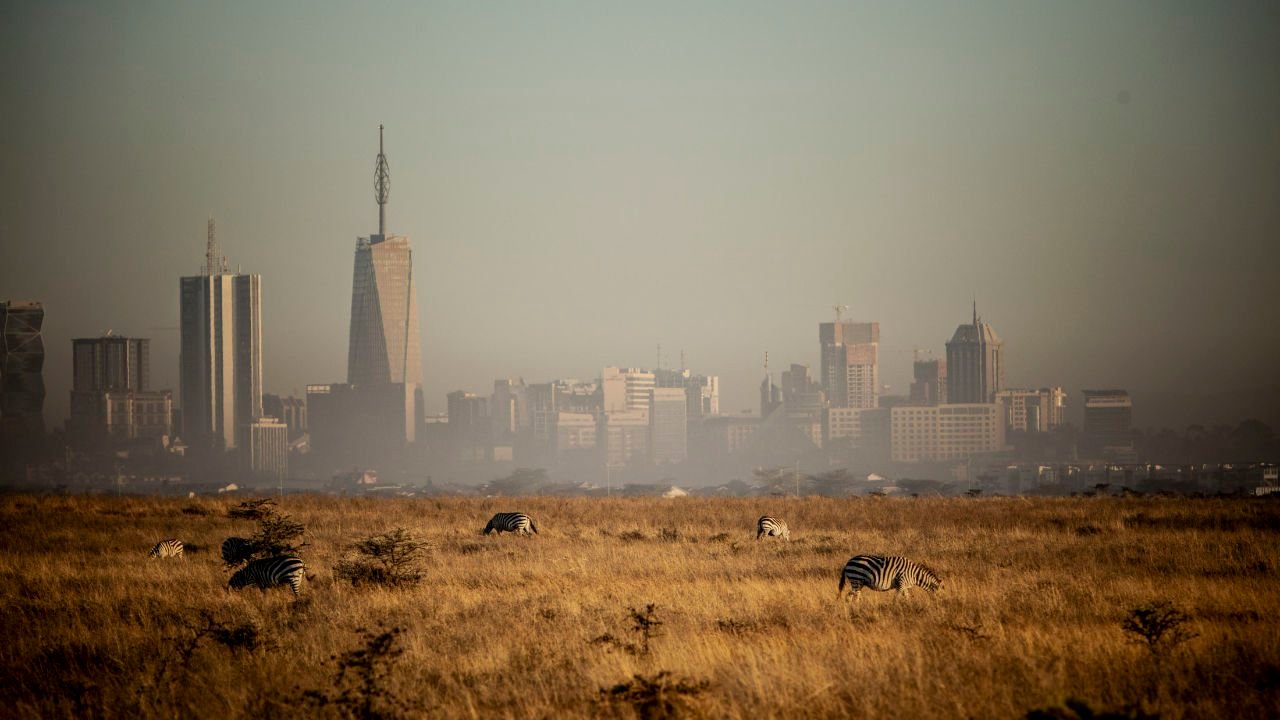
[384, 345]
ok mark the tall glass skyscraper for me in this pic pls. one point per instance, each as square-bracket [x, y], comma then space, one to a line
[384, 348]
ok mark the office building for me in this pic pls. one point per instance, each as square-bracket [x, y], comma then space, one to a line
[269, 449]
[702, 391]
[574, 432]
[1033, 410]
[1108, 422]
[470, 426]
[975, 363]
[625, 437]
[929, 386]
[360, 425]
[292, 411]
[111, 397]
[383, 345]
[21, 382]
[945, 432]
[850, 363]
[221, 354]
[668, 425]
[626, 389]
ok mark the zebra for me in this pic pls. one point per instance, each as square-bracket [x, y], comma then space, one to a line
[772, 527]
[171, 547]
[881, 572]
[282, 570]
[236, 550]
[516, 522]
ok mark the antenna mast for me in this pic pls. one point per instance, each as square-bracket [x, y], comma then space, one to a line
[211, 259]
[839, 309]
[381, 186]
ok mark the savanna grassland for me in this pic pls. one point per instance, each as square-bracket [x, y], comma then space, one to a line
[1029, 616]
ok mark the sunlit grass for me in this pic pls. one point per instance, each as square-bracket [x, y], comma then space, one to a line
[1029, 615]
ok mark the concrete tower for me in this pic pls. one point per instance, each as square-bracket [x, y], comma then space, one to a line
[221, 354]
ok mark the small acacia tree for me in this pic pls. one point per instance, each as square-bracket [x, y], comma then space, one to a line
[278, 534]
[1159, 625]
[391, 559]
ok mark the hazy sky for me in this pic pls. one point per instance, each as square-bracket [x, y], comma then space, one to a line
[583, 181]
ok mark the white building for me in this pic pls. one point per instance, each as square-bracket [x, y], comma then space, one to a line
[1033, 410]
[944, 432]
[269, 448]
[626, 389]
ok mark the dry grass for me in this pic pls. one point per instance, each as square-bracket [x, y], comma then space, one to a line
[1035, 592]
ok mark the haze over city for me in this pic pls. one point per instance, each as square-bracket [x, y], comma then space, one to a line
[584, 182]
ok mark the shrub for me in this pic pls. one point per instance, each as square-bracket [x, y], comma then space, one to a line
[390, 559]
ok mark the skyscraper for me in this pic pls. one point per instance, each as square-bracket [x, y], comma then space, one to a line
[1108, 422]
[850, 363]
[384, 344]
[111, 396]
[975, 363]
[221, 353]
[21, 380]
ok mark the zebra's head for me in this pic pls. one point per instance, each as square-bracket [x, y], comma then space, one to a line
[929, 580]
[238, 580]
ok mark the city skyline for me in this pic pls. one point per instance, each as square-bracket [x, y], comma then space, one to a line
[754, 181]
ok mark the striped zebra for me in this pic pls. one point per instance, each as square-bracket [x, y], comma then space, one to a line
[236, 550]
[283, 570]
[772, 527]
[171, 547]
[515, 522]
[881, 572]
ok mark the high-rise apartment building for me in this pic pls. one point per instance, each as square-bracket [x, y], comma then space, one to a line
[1033, 410]
[850, 363]
[1108, 421]
[930, 383]
[111, 397]
[975, 363]
[221, 354]
[21, 380]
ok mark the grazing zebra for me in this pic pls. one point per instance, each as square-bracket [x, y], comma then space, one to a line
[236, 550]
[880, 572]
[166, 549]
[772, 527]
[283, 570]
[516, 522]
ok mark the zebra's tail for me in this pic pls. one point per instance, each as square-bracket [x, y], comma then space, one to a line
[533, 526]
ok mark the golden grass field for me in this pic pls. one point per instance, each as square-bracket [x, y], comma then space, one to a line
[1029, 614]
